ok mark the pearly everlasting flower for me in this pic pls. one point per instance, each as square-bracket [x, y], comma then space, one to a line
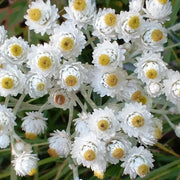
[68, 40]
[136, 5]
[11, 81]
[20, 146]
[61, 98]
[4, 140]
[158, 9]
[3, 35]
[41, 17]
[103, 123]
[25, 164]
[59, 144]
[104, 24]
[158, 127]
[33, 124]
[71, 76]
[138, 162]
[37, 85]
[15, 50]
[81, 12]
[44, 60]
[108, 54]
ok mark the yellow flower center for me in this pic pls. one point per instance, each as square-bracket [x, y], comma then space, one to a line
[1, 66]
[32, 172]
[112, 80]
[142, 170]
[137, 121]
[67, 44]
[110, 19]
[7, 83]
[35, 14]
[52, 152]
[16, 50]
[143, 100]
[163, 1]
[89, 155]
[151, 74]
[40, 86]
[44, 62]
[60, 99]
[103, 125]
[29, 135]
[118, 153]
[99, 175]
[157, 35]
[157, 133]
[134, 22]
[79, 5]
[179, 93]
[136, 96]
[0, 127]
[104, 59]
[71, 81]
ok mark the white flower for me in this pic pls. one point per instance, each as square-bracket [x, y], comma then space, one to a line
[71, 76]
[158, 9]
[136, 5]
[104, 24]
[41, 17]
[150, 67]
[138, 162]
[60, 98]
[4, 140]
[44, 60]
[81, 12]
[25, 164]
[37, 85]
[3, 35]
[177, 130]
[33, 124]
[158, 127]
[68, 40]
[20, 147]
[15, 50]
[11, 81]
[103, 123]
[108, 54]
[109, 81]
[59, 144]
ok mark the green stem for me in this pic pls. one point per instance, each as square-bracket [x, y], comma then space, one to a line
[7, 100]
[80, 103]
[172, 46]
[43, 107]
[18, 104]
[68, 129]
[161, 111]
[169, 121]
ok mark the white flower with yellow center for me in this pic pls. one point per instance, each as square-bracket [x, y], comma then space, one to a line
[150, 67]
[71, 76]
[103, 123]
[153, 36]
[44, 59]
[4, 140]
[130, 25]
[158, 9]
[59, 144]
[41, 17]
[68, 40]
[34, 124]
[104, 24]
[108, 54]
[81, 12]
[89, 151]
[15, 50]
[3, 35]
[11, 81]
[60, 98]
[109, 81]
[25, 164]
[138, 162]
[37, 85]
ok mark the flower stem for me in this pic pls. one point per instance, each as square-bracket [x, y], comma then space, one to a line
[7, 100]
[68, 129]
[18, 104]
[169, 121]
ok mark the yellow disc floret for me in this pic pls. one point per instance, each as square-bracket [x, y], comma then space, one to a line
[34, 14]
[118, 153]
[52, 152]
[71, 80]
[134, 22]
[32, 172]
[60, 99]
[157, 133]
[112, 80]
[151, 74]
[143, 100]
[89, 155]
[40, 86]
[142, 170]
[110, 19]
[79, 5]
[16, 50]
[104, 59]
[67, 44]
[156, 35]
[44, 63]
[103, 125]
[30, 135]
[7, 83]
[136, 96]
[163, 1]
[99, 175]
[137, 121]
[0, 127]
